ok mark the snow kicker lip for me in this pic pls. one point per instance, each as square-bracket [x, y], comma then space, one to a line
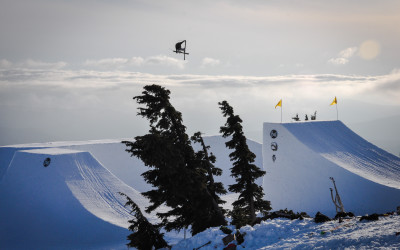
[308, 153]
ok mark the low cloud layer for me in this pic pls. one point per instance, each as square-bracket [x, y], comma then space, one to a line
[384, 88]
[66, 104]
[31, 64]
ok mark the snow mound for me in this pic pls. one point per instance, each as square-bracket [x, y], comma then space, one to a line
[74, 201]
[300, 157]
[61, 197]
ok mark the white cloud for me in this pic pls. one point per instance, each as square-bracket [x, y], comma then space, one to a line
[32, 64]
[165, 61]
[107, 62]
[129, 63]
[382, 88]
[115, 63]
[210, 62]
[343, 56]
[338, 61]
[349, 52]
[379, 89]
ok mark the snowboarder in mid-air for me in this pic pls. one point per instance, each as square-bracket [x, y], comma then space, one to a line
[178, 46]
[180, 49]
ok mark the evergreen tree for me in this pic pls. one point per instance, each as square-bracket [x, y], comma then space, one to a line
[175, 173]
[145, 235]
[244, 171]
[207, 162]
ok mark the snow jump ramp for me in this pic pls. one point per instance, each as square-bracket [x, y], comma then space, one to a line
[300, 157]
[59, 197]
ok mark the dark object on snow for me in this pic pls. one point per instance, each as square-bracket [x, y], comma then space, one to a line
[225, 230]
[231, 246]
[228, 238]
[314, 117]
[296, 118]
[46, 162]
[239, 237]
[285, 213]
[372, 217]
[388, 213]
[398, 210]
[343, 215]
[197, 248]
[320, 218]
[306, 118]
[397, 233]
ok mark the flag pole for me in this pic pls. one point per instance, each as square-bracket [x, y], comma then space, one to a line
[337, 113]
[280, 105]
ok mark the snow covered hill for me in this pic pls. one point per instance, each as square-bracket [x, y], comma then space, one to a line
[300, 157]
[62, 197]
[73, 202]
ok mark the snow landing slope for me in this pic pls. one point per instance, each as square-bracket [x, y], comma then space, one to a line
[300, 157]
[73, 202]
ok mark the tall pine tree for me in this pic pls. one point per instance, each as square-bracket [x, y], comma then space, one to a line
[176, 174]
[244, 171]
[145, 235]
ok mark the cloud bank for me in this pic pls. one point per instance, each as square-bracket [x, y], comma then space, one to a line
[56, 103]
[381, 89]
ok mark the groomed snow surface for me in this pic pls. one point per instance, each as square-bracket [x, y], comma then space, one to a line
[306, 234]
[64, 195]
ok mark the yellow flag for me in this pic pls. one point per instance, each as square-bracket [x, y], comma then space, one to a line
[279, 104]
[334, 101]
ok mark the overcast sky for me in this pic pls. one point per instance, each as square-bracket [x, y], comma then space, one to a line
[69, 69]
